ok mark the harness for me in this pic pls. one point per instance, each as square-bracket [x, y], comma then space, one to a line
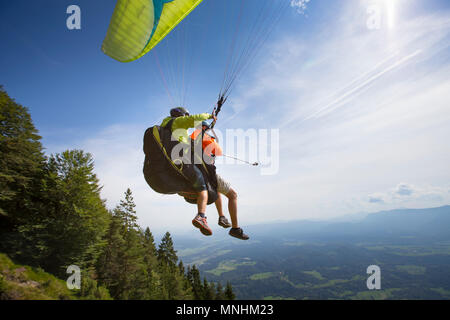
[164, 175]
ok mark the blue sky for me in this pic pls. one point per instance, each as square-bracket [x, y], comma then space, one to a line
[363, 113]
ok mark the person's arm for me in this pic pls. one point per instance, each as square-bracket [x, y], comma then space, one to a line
[190, 121]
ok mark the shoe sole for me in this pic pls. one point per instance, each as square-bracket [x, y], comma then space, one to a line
[238, 237]
[203, 230]
[225, 226]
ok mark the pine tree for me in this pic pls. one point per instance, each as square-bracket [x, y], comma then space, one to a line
[150, 247]
[166, 252]
[189, 274]
[196, 283]
[21, 169]
[122, 268]
[126, 211]
[174, 282]
[208, 290]
[108, 265]
[181, 267]
[75, 218]
[229, 294]
[154, 284]
[220, 295]
[187, 287]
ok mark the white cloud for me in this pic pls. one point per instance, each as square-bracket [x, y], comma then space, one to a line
[404, 189]
[300, 5]
[409, 195]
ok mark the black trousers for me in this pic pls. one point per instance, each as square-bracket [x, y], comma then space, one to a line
[195, 177]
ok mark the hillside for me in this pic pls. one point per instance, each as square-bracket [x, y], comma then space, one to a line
[19, 282]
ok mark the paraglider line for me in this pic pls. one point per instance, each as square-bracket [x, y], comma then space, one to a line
[163, 78]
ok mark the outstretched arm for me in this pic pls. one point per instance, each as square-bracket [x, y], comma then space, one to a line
[190, 121]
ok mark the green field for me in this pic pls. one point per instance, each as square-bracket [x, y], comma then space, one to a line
[229, 265]
[335, 271]
[262, 276]
[411, 269]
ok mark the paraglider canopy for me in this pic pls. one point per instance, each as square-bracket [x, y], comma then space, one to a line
[138, 26]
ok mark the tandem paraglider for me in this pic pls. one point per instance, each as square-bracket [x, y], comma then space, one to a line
[176, 163]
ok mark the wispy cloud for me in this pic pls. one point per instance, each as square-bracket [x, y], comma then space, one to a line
[355, 86]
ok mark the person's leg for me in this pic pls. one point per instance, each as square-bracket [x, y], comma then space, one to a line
[223, 221]
[235, 231]
[200, 219]
[222, 188]
[202, 201]
[218, 204]
[195, 176]
[232, 207]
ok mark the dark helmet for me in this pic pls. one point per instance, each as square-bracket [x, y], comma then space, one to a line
[178, 112]
[205, 124]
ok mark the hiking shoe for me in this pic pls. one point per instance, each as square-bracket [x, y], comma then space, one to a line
[201, 223]
[223, 222]
[238, 233]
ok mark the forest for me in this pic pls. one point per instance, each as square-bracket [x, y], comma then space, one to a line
[52, 216]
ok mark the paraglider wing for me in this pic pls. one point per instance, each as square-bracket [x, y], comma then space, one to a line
[137, 26]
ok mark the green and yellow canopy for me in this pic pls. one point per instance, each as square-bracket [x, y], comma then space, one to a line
[137, 26]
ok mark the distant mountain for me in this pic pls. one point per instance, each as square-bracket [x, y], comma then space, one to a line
[429, 223]
[423, 224]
